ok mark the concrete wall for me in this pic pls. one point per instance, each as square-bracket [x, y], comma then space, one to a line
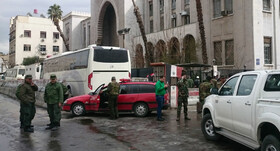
[9, 88]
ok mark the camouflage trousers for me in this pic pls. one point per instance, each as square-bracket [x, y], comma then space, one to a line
[27, 113]
[182, 101]
[54, 112]
[113, 106]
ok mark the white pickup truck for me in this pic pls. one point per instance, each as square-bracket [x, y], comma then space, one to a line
[246, 109]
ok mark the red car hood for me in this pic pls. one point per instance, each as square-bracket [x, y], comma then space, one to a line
[80, 98]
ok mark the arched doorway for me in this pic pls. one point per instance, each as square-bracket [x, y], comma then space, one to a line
[160, 51]
[107, 26]
[174, 51]
[150, 48]
[139, 58]
[189, 49]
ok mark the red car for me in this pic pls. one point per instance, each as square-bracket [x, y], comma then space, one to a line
[137, 97]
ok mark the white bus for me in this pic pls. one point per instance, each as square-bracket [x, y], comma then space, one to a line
[86, 69]
[35, 70]
[15, 73]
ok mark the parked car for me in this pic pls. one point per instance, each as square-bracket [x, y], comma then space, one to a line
[137, 97]
[247, 110]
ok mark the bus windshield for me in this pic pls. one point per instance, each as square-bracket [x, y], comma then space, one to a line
[110, 55]
[21, 71]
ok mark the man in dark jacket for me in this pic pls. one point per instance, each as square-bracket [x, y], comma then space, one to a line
[113, 90]
[54, 98]
[27, 100]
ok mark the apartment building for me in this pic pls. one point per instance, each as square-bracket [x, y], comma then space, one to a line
[32, 36]
[240, 34]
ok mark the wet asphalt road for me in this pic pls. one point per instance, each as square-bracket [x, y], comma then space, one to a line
[95, 132]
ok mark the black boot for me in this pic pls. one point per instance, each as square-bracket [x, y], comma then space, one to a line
[28, 129]
[49, 127]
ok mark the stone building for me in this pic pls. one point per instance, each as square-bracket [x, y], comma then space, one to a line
[76, 27]
[239, 34]
[32, 36]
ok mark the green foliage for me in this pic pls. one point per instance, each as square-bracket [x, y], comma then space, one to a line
[30, 60]
[55, 12]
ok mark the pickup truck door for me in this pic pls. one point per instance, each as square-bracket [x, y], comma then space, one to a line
[223, 104]
[242, 105]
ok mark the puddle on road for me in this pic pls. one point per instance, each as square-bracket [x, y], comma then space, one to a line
[94, 129]
[86, 121]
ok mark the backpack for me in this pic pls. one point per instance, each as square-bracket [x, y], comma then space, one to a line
[18, 90]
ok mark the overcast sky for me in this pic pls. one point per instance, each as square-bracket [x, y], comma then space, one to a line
[12, 8]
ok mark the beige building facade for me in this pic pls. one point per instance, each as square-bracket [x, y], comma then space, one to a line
[32, 36]
[240, 34]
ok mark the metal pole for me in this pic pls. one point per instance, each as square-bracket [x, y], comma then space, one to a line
[123, 39]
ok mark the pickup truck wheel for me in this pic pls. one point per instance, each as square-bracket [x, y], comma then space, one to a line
[208, 128]
[78, 109]
[270, 143]
[141, 109]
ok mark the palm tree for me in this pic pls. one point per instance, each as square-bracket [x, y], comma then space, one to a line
[201, 31]
[55, 14]
[148, 55]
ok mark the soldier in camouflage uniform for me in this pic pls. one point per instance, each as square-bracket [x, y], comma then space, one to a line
[113, 90]
[204, 89]
[54, 98]
[190, 82]
[183, 95]
[27, 101]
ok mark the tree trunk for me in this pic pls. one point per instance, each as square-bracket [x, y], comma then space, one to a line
[148, 55]
[201, 31]
[56, 23]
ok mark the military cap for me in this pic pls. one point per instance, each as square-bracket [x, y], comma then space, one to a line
[113, 78]
[53, 76]
[28, 76]
[184, 72]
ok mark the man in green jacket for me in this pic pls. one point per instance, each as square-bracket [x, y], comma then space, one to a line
[27, 102]
[160, 92]
[113, 90]
[54, 98]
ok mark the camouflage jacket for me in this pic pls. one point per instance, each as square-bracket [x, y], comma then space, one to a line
[114, 88]
[204, 90]
[183, 88]
[53, 93]
[27, 92]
